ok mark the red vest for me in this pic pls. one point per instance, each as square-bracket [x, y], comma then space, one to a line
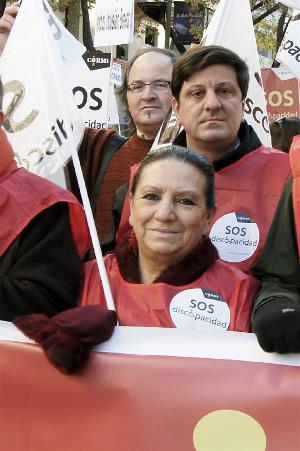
[24, 195]
[295, 166]
[221, 299]
[247, 193]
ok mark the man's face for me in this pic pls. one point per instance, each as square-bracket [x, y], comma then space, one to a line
[149, 107]
[211, 109]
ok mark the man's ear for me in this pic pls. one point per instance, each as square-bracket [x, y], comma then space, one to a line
[1, 118]
[243, 110]
[130, 204]
[175, 108]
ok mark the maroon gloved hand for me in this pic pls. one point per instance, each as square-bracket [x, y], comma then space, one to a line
[68, 337]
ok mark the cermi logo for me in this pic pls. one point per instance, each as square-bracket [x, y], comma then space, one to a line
[96, 59]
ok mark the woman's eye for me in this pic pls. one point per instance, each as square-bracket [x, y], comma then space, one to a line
[150, 196]
[185, 201]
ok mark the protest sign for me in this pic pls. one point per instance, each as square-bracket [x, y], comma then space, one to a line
[114, 22]
[282, 93]
[187, 17]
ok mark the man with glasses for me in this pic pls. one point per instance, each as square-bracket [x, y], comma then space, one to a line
[105, 156]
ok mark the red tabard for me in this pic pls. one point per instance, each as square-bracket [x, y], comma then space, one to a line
[154, 305]
[24, 195]
[247, 193]
[295, 166]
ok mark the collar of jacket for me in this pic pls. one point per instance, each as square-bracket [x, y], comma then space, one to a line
[249, 141]
[182, 273]
[6, 152]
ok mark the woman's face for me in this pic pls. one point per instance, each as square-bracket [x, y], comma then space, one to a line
[168, 210]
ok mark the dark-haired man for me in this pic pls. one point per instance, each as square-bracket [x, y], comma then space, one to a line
[209, 85]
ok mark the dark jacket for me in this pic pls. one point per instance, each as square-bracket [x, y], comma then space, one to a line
[249, 141]
[40, 271]
[278, 266]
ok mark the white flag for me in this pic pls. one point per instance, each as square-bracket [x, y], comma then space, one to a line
[90, 79]
[114, 22]
[289, 51]
[70, 48]
[38, 103]
[231, 26]
[291, 3]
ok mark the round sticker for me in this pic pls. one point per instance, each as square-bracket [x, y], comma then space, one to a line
[200, 309]
[236, 236]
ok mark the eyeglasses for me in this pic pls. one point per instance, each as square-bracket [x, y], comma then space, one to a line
[158, 85]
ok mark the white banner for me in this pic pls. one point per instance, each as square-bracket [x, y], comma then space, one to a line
[114, 22]
[289, 51]
[291, 3]
[231, 26]
[164, 341]
[69, 48]
[38, 102]
[90, 80]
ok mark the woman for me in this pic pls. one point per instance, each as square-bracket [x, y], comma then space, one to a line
[167, 273]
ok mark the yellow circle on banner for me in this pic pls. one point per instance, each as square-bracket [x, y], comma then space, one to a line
[229, 430]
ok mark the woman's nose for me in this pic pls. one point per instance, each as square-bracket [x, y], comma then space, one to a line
[165, 211]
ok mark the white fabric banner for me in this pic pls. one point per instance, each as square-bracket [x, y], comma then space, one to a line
[182, 342]
[38, 102]
[291, 3]
[70, 48]
[289, 51]
[114, 22]
[90, 80]
[231, 26]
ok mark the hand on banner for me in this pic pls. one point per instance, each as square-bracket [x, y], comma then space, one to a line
[6, 23]
[68, 337]
[277, 326]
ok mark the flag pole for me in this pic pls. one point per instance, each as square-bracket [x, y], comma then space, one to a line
[92, 227]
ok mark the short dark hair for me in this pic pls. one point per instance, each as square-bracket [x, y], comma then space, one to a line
[283, 130]
[122, 90]
[199, 58]
[187, 156]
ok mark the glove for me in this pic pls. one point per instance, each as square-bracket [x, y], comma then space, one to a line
[277, 325]
[68, 337]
